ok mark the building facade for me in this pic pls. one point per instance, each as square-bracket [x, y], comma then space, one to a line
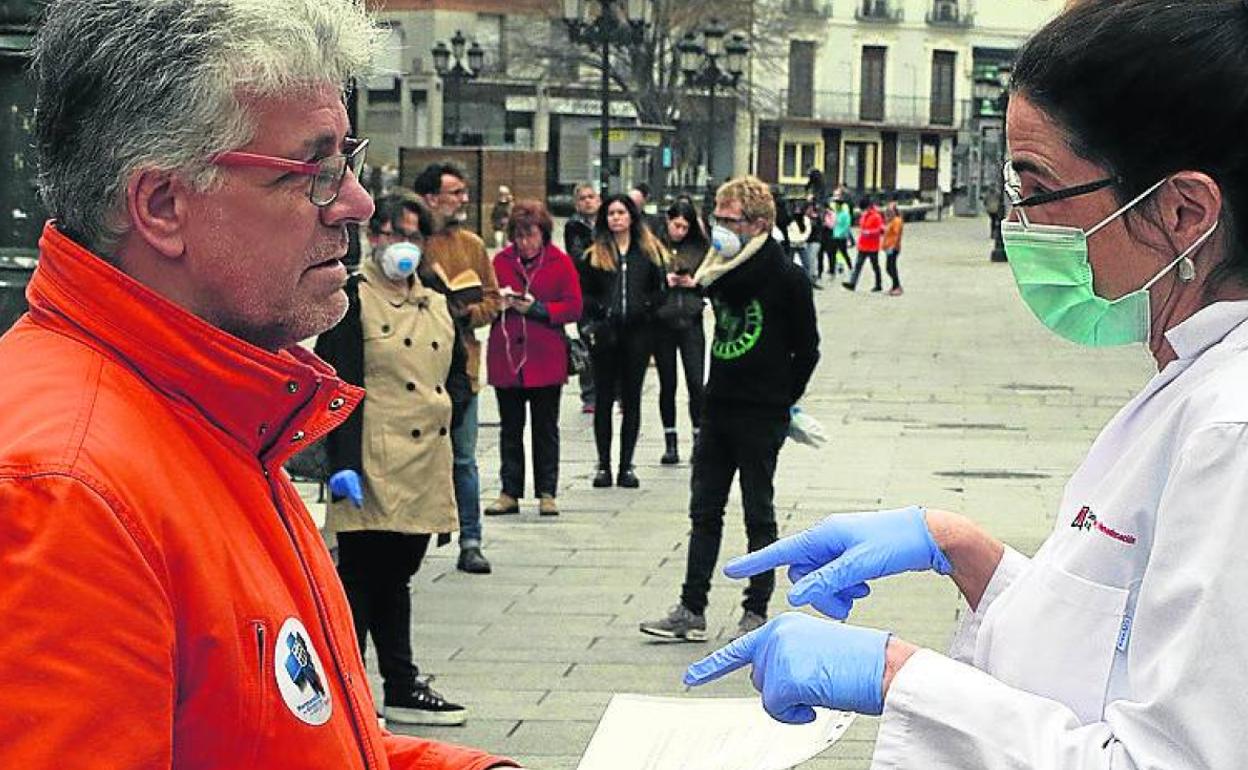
[887, 95]
[534, 92]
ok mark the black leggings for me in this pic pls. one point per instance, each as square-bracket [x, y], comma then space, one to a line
[891, 266]
[620, 371]
[839, 246]
[376, 568]
[691, 342]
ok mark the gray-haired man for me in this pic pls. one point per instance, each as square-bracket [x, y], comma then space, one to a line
[170, 602]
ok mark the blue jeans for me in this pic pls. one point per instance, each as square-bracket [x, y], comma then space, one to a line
[467, 482]
[810, 258]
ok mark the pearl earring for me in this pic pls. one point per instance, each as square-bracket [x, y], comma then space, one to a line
[1187, 270]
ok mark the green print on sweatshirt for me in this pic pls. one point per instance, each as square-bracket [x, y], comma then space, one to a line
[736, 335]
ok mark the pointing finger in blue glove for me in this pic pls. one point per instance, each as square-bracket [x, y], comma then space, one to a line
[832, 561]
[800, 662]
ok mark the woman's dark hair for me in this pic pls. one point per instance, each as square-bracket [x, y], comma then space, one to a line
[391, 206]
[602, 251]
[526, 214]
[1148, 88]
[684, 209]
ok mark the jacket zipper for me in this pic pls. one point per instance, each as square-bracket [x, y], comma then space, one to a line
[260, 647]
[623, 287]
[321, 614]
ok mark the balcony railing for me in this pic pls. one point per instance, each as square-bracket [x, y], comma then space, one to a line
[886, 111]
[881, 11]
[946, 13]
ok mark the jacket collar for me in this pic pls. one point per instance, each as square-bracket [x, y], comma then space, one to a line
[1206, 327]
[397, 293]
[715, 266]
[274, 404]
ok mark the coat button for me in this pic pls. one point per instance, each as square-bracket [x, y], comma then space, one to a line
[416, 433]
[519, 340]
[408, 342]
[411, 386]
[435, 344]
[438, 390]
[442, 431]
[385, 328]
[292, 387]
[337, 404]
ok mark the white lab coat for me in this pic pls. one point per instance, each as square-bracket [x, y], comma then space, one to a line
[1124, 642]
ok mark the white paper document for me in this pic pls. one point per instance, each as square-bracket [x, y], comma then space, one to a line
[641, 732]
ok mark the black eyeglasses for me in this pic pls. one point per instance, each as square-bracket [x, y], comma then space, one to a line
[399, 232]
[1014, 186]
[713, 220]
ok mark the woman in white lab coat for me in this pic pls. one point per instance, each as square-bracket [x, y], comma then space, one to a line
[1123, 643]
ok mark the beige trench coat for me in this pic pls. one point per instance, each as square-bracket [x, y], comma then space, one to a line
[407, 458]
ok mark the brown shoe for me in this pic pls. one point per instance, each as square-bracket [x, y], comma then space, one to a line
[503, 506]
[547, 506]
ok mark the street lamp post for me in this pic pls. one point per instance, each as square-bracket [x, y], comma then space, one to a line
[456, 65]
[700, 64]
[600, 31]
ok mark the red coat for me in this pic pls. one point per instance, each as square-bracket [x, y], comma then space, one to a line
[872, 228]
[527, 352]
[168, 602]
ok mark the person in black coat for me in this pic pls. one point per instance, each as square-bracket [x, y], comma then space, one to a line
[764, 352]
[621, 285]
[578, 235]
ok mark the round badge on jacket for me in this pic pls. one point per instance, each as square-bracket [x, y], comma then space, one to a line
[300, 675]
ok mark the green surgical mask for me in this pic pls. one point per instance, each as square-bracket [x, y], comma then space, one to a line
[1054, 277]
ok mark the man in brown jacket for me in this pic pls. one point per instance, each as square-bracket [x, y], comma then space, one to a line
[458, 257]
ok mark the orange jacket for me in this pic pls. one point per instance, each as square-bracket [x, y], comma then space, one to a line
[892, 234]
[167, 600]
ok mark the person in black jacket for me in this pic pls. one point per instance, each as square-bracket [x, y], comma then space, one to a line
[578, 235]
[678, 323]
[621, 283]
[765, 349]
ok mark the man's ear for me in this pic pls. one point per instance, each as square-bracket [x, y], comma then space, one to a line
[158, 205]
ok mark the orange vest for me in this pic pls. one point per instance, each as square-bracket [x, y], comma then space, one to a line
[168, 601]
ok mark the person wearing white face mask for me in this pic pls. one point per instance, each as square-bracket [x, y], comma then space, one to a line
[764, 352]
[1121, 643]
[398, 341]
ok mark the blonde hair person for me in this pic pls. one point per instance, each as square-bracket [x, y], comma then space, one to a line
[763, 353]
[757, 203]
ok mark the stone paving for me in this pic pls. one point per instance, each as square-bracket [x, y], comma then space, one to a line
[951, 395]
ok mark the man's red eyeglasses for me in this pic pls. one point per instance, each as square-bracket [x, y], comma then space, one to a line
[327, 173]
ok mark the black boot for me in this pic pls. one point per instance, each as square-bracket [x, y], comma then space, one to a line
[602, 478]
[627, 478]
[671, 456]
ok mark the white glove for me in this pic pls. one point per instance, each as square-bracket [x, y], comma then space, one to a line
[805, 429]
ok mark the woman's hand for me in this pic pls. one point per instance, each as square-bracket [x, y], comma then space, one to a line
[799, 662]
[831, 563]
[680, 281]
[522, 303]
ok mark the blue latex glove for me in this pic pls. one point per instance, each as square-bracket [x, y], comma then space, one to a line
[800, 661]
[346, 484]
[830, 563]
